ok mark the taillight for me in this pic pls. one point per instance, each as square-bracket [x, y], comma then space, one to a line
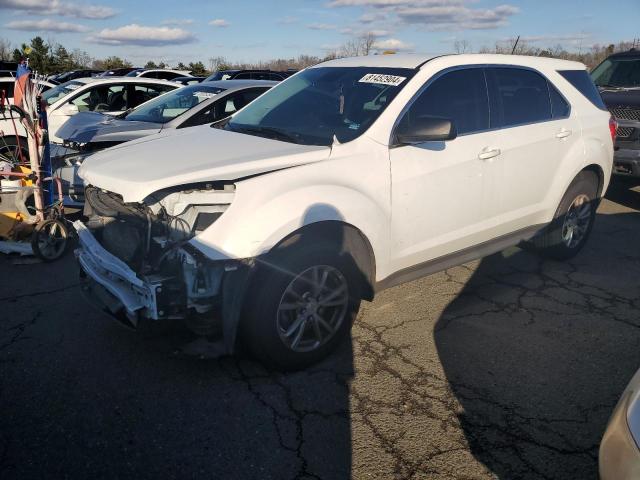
[613, 126]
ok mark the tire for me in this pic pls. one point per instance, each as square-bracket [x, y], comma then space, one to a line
[49, 240]
[281, 297]
[570, 229]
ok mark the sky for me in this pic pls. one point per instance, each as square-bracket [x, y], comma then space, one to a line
[252, 30]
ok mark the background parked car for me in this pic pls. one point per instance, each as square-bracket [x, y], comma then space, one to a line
[188, 106]
[188, 80]
[66, 76]
[618, 78]
[162, 73]
[7, 85]
[619, 456]
[110, 96]
[12, 142]
[249, 75]
[119, 72]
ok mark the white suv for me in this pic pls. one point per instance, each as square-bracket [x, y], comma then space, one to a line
[349, 177]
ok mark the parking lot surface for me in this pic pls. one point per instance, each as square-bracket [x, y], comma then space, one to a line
[505, 368]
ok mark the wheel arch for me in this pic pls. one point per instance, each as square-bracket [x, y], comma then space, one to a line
[346, 238]
[597, 170]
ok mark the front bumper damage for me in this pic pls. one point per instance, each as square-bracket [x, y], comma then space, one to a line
[114, 287]
[128, 294]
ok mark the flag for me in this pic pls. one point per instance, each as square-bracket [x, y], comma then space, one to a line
[22, 79]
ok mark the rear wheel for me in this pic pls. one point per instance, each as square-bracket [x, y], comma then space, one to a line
[302, 306]
[573, 221]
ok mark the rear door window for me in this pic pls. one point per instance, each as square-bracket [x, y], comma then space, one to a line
[224, 107]
[144, 93]
[460, 95]
[560, 108]
[105, 98]
[518, 97]
[581, 80]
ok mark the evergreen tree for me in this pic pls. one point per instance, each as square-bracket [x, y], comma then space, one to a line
[197, 69]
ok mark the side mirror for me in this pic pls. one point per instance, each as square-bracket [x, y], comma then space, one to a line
[69, 109]
[425, 129]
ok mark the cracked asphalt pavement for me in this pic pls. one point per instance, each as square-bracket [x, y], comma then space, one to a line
[506, 367]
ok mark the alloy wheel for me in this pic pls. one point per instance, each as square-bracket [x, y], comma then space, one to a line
[576, 221]
[312, 308]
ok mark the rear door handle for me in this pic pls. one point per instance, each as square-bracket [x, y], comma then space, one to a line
[486, 154]
[563, 133]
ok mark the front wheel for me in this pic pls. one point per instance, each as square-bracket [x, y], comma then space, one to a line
[302, 306]
[573, 221]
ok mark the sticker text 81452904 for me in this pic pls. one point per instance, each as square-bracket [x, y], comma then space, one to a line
[383, 79]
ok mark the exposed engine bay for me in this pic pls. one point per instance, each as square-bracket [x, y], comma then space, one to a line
[152, 238]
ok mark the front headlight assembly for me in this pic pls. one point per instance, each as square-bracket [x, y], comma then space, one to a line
[191, 211]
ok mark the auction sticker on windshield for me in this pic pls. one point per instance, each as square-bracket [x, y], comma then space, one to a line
[382, 79]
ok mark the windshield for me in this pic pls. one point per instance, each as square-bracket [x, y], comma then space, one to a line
[56, 93]
[617, 72]
[134, 73]
[319, 103]
[166, 107]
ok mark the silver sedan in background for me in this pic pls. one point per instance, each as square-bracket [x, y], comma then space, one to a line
[199, 104]
[619, 452]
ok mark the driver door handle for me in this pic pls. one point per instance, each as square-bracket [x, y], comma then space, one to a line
[486, 153]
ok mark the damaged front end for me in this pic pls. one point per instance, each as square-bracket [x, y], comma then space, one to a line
[137, 262]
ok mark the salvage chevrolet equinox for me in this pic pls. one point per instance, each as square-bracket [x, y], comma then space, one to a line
[347, 178]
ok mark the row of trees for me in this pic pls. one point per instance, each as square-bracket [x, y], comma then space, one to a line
[50, 57]
[46, 57]
[590, 56]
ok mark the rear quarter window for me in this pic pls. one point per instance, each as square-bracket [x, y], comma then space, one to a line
[581, 80]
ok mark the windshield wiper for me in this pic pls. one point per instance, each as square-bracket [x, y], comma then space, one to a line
[269, 132]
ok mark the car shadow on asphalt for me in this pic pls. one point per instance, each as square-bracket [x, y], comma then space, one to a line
[625, 192]
[537, 352]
